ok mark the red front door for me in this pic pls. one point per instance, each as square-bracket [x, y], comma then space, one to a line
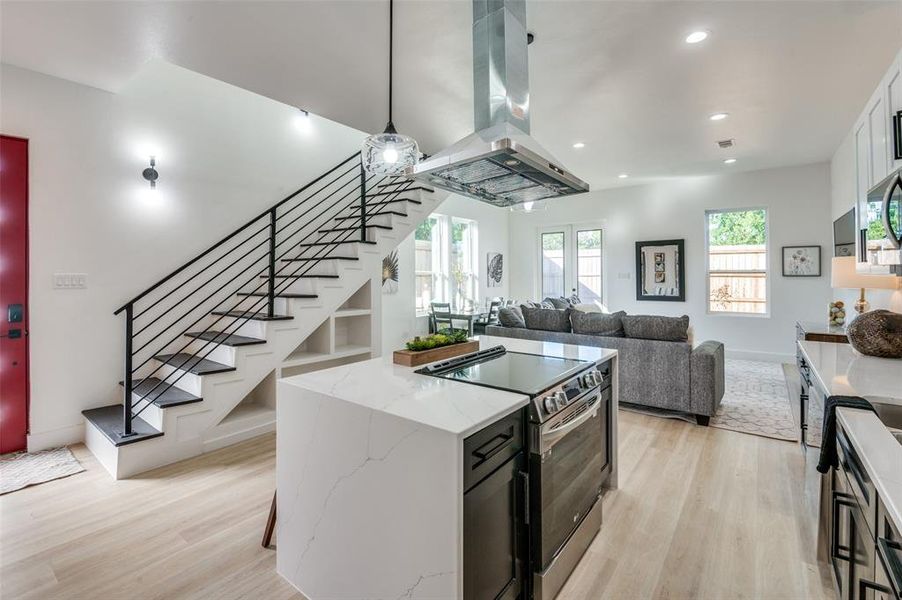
[13, 293]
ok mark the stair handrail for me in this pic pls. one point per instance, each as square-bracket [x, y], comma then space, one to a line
[234, 233]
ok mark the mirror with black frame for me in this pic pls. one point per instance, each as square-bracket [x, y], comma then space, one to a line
[660, 272]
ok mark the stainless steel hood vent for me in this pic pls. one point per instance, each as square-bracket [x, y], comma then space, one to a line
[499, 163]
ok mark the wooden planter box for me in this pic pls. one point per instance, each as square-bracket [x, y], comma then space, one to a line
[409, 358]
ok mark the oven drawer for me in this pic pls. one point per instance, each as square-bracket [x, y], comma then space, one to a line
[491, 447]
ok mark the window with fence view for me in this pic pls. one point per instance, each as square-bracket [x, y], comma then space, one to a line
[737, 261]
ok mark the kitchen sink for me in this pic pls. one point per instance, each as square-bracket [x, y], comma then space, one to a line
[889, 414]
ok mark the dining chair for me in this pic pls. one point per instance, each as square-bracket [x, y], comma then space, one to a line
[441, 314]
[491, 317]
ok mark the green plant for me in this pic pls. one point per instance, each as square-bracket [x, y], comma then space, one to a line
[437, 340]
[739, 228]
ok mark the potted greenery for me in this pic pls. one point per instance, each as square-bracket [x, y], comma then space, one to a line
[438, 346]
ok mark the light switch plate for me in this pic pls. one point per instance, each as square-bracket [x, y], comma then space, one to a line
[70, 281]
[626, 275]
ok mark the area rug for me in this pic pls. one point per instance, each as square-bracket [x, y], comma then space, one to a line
[23, 469]
[756, 400]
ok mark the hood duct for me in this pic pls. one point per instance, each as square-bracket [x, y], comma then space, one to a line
[499, 163]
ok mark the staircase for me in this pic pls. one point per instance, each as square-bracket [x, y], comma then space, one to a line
[201, 339]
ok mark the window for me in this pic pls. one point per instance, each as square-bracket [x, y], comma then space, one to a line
[427, 253]
[737, 261]
[571, 262]
[553, 264]
[446, 262]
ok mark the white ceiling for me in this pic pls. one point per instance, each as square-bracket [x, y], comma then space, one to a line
[615, 75]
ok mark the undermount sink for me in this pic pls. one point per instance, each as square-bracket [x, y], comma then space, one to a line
[890, 415]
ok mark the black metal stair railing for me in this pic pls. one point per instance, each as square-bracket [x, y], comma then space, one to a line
[261, 249]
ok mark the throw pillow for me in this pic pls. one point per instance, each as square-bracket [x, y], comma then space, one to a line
[511, 317]
[574, 300]
[558, 303]
[547, 319]
[597, 323]
[654, 327]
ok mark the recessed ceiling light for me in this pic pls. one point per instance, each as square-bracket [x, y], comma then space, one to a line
[719, 116]
[623, 176]
[729, 161]
[579, 145]
[696, 37]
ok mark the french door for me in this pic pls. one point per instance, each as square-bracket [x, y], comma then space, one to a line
[571, 262]
[13, 293]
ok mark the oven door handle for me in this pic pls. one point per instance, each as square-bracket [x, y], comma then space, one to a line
[561, 430]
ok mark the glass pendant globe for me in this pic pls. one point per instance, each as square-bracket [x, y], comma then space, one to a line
[389, 154]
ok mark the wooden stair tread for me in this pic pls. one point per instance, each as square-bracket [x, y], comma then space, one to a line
[386, 203]
[305, 276]
[193, 364]
[355, 228]
[253, 316]
[162, 396]
[309, 259]
[333, 243]
[278, 295]
[226, 339]
[108, 419]
[425, 188]
[410, 189]
[396, 213]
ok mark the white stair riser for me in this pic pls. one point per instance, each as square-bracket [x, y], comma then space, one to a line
[187, 381]
[211, 351]
[323, 252]
[258, 304]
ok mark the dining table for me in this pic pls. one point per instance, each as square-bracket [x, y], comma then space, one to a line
[469, 315]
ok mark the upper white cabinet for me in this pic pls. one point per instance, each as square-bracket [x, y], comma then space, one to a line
[892, 85]
[875, 157]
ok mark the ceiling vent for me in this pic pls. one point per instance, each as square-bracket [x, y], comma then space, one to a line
[726, 143]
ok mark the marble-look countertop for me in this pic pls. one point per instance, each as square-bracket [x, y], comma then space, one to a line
[451, 406]
[881, 455]
[842, 371]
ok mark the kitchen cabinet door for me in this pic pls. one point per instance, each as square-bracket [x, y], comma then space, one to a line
[893, 92]
[878, 129]
[862, 183]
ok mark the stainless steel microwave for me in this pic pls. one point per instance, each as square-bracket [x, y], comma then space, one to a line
[880, 227]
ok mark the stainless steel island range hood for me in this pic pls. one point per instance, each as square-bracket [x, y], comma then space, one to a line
[499, 163]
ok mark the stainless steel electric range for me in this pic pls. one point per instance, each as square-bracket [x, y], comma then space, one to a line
[567, 433]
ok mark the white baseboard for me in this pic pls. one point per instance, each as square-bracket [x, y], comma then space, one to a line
[776, 357]
[54, 438]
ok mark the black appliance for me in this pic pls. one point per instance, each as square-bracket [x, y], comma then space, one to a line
[568, 445]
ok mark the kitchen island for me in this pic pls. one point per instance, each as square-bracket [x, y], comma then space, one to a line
[370, 473]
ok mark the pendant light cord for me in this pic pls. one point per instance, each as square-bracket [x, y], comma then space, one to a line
[391, 22]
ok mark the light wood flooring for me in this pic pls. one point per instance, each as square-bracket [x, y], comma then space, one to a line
[700, 513]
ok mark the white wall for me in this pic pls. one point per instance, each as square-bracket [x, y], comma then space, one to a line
[399, 320]
[224, 155]
[798, 203]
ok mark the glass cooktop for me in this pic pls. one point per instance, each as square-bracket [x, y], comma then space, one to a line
[515, 372]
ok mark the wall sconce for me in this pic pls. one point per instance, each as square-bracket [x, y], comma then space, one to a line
[150, 173]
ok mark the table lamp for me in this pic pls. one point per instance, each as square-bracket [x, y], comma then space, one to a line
[844, 275]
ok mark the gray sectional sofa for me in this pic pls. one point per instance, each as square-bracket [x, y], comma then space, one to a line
[659, 367]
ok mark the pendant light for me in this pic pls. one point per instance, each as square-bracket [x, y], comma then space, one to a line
[389, 153]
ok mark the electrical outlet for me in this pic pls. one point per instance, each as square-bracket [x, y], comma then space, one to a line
[70, 281]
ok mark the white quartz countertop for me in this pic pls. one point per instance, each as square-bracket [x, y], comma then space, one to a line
[842, 371]
[881, 455]
[455, 407]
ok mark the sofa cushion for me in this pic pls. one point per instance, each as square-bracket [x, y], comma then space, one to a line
[558, 303]
[656, 327]
[511, 316]
[597, 323]
[547, 319]
[588, 308]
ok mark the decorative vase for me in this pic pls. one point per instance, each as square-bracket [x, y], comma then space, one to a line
[877, 333]
[837, 314]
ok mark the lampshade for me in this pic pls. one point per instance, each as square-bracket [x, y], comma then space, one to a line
[389, 153]
[844, 275]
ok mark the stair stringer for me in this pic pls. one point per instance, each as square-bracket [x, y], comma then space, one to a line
[189, 430]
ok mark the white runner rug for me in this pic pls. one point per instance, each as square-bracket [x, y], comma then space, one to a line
[756, 400]
[31, 468]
